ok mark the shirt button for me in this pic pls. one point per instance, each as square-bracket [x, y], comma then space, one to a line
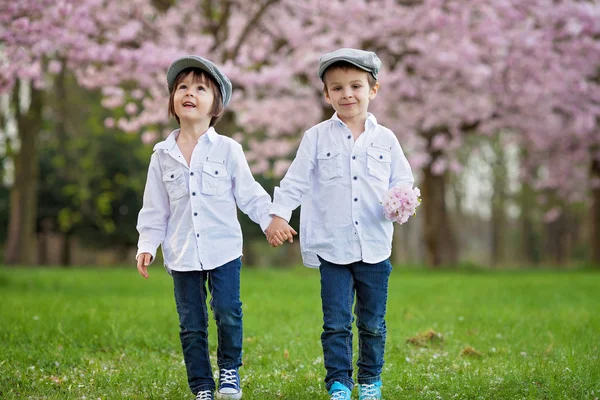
[193, 193]
[172, 176]
[355, 222]
[381, 157]
[191, 173]
[216, 172]
[197, 235]
[328, 154]
[354, 157]
[355, 199]
[355, 178]
[349, 136]
[195, 214]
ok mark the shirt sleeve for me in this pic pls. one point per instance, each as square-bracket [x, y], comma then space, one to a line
[401, 171]
[296, 182]
[154, 215]
[250, 196]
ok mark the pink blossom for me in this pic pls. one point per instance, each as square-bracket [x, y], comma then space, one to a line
[401, 202]
[149, 137]
[131, 108]
[54, 66]
[109, 122]
[552, 215]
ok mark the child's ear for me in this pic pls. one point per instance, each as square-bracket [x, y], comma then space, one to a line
[326, 93]
[373, 92]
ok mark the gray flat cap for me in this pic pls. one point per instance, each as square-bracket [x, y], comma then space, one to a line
[198, 62]
[366, 60]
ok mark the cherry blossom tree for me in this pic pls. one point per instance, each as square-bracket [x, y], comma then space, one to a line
[38, 40]
[452, 68]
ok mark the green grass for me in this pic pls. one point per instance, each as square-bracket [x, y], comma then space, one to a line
[107, 333]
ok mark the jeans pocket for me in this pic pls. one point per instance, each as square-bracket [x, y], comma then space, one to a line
[175, 184]
[330, 163]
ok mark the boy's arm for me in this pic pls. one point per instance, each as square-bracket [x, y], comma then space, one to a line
[296, 182]
[401, 172]
[250, 196]
[153, 217]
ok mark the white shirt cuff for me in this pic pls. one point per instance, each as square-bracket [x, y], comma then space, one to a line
[281, 212]
[146, 248]
[265, 222]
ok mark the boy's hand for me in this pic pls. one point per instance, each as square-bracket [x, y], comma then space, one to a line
[279, 231]
[143, 261]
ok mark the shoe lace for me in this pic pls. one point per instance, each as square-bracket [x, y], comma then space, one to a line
[338, 395]
[204, 395]
[228, 377]
[369, 391]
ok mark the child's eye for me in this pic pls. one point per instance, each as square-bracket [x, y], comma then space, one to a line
[182, 86]
[201, 88]
[356, 87]
[336, 88]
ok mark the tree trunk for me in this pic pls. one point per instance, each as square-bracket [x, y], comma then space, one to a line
[595, 237]
[23, 194]
[555, 241]
[529, 246]
[440, 243]
[65, 251]
[498, 207]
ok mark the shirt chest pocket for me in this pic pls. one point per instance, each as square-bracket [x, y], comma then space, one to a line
[175, 184]
[379, 163]
[215, 178]
[329, 163]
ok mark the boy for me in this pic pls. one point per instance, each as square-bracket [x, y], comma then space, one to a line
[195, 180]
[342, 170]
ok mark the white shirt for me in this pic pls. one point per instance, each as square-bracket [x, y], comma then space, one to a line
[191, 210]
[340, 184]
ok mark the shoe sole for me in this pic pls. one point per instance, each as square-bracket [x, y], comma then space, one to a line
[229, 396]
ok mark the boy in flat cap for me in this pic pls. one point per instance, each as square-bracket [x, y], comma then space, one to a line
[195, 180]
[342, 170]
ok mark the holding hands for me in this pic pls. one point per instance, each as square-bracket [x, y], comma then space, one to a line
[279, 231]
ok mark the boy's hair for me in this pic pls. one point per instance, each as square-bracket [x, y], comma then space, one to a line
[199, 75]
[345, 66]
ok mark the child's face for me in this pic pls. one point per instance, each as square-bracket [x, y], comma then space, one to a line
[349, 93]
[193, 99]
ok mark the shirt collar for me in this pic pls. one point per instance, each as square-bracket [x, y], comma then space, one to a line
[168, 143]
[171, 140]
[211, 134]
[370, 122]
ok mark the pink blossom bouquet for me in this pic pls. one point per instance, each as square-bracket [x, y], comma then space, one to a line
[400, 202]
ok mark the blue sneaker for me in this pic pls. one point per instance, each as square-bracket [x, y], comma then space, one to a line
[339, 392]
[205, 395]
[229, 385]
[371, 391]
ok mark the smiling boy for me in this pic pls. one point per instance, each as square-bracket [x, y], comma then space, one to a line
[342, 170]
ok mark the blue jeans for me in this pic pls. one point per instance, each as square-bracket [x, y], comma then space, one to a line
[339, 283]
[190, 298]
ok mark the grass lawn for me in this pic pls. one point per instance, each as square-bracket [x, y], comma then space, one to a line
[108, 334]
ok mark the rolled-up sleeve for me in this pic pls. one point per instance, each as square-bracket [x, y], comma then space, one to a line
[154, 215]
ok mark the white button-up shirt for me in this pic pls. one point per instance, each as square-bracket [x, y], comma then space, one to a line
[340, 184]
[191, 210]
